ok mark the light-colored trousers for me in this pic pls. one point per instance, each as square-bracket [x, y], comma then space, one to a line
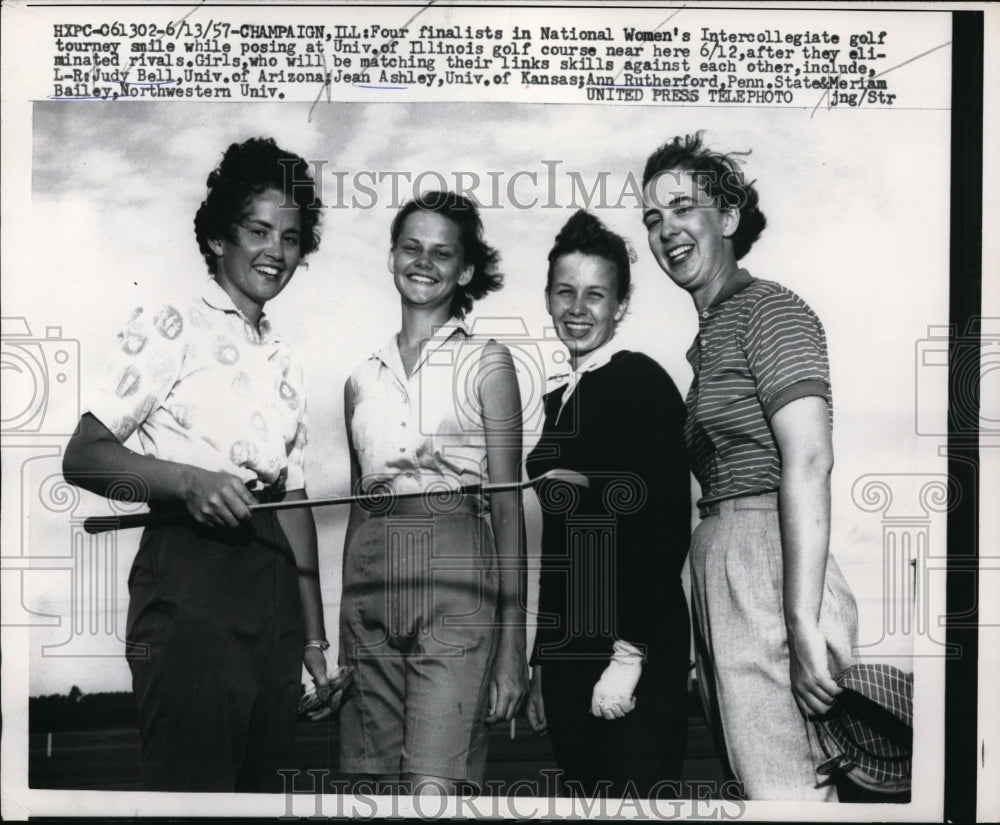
[742, 649]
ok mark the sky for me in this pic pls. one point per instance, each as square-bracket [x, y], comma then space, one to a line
[857, 206]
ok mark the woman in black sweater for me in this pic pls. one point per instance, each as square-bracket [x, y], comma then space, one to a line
[611, 655]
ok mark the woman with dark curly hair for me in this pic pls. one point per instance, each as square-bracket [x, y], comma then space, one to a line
[774, 615]
[431, 615]
[224, 604]
[611, 655]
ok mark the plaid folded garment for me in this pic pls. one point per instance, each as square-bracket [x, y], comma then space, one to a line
[868, 735]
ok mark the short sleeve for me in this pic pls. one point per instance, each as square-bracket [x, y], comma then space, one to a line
[786, 351]
[141, 370]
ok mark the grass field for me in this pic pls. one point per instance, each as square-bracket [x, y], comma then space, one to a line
[108, 759]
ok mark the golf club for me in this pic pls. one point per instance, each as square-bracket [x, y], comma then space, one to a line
[103, 524]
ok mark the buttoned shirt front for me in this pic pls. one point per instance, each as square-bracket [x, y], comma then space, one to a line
[201, 385]
[424, 431]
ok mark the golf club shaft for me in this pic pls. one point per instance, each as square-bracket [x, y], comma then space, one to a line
[102, 524]
[380, 498]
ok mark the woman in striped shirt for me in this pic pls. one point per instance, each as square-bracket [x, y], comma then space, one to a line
[775, 619]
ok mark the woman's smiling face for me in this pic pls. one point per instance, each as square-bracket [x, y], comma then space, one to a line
[428, 261]
[688, 232]
[583, 302]
[260, 259]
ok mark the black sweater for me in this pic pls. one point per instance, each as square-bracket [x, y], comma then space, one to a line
[611, 559]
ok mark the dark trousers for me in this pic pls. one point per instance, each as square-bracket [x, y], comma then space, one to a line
[217, 619]
[644, 748]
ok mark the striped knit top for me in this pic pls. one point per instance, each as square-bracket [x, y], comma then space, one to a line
[759, 346]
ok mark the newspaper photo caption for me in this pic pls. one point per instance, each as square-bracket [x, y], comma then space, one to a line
[687, 56]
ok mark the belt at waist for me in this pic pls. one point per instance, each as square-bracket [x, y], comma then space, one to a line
[432, 504]
[763, 501]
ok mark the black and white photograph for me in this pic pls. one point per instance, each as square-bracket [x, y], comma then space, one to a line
[499, 411]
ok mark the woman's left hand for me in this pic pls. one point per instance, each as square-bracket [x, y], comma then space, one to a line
[315, 662]
[812, 685]
[509, 684]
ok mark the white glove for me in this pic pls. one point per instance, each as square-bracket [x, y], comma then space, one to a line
[613, 693]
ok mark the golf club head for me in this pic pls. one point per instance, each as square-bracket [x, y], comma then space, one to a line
[568, 476]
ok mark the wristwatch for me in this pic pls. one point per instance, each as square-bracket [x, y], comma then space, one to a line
[322, 644]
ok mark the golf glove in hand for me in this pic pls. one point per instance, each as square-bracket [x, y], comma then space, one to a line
[613, 693]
